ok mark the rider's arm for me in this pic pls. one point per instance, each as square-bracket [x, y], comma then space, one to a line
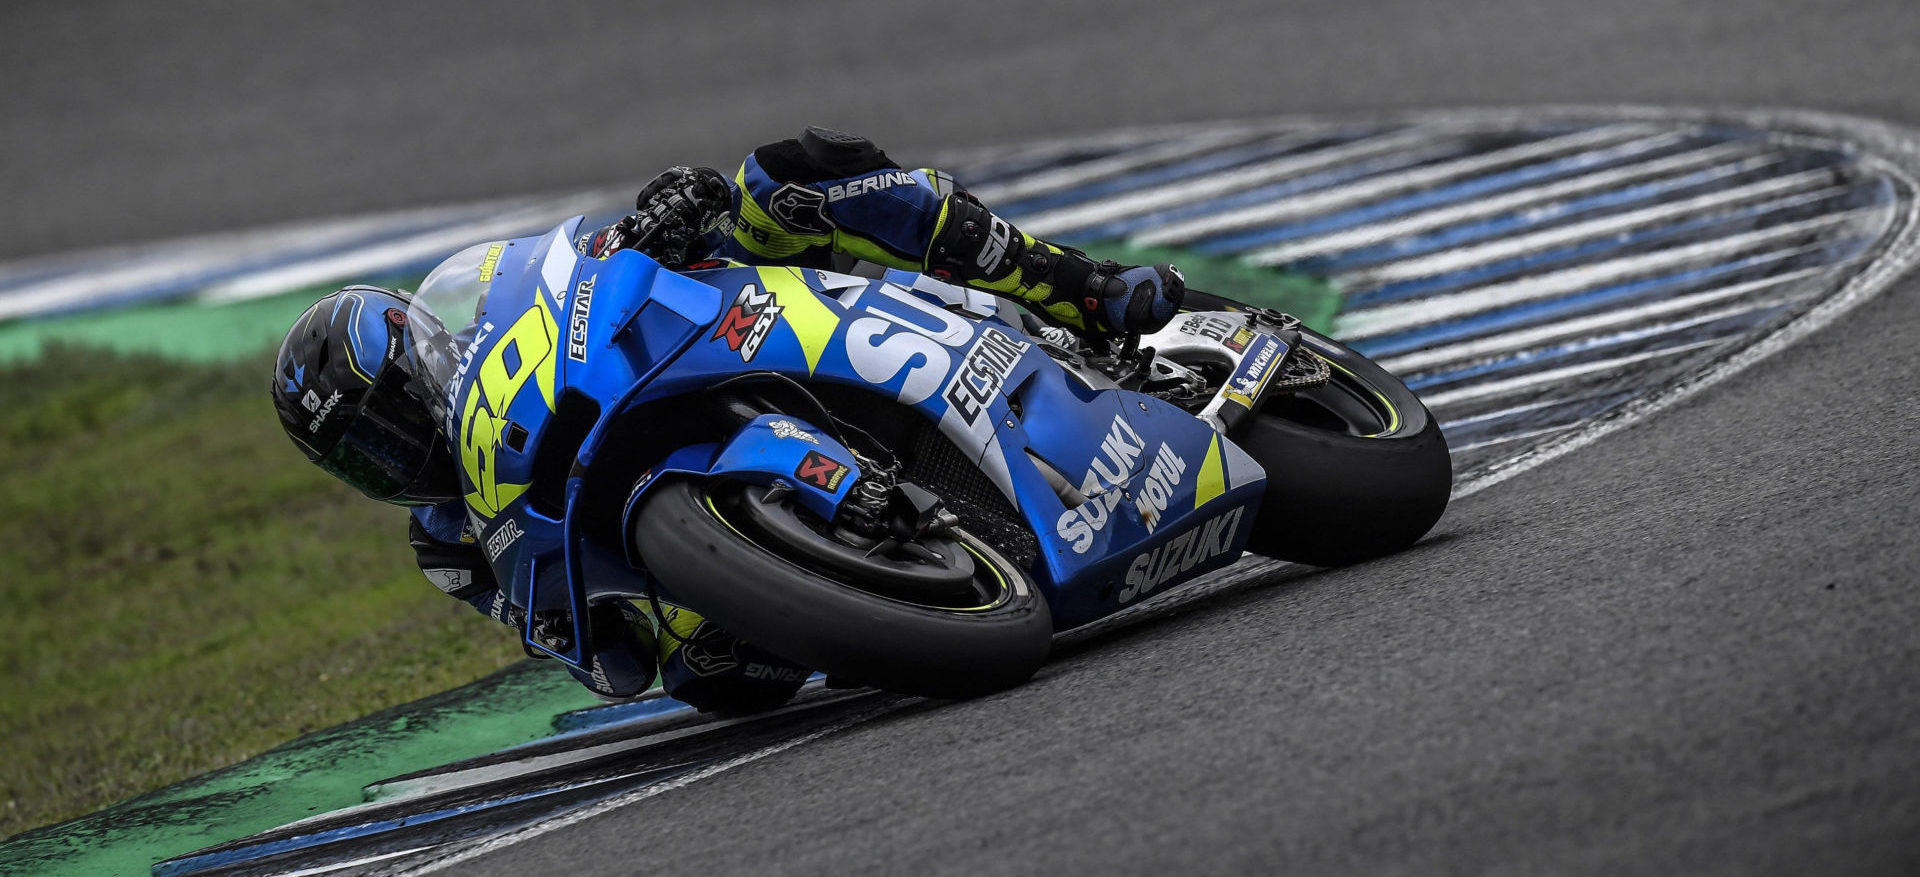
[451, 559]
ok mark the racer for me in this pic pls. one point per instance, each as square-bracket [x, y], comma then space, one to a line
[351, 399]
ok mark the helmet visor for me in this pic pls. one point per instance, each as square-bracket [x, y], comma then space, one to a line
[392, 450]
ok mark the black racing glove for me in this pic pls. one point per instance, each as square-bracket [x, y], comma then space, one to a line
[674, 211]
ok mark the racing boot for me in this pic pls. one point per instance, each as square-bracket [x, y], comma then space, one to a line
[714, 671]
[624, 661]
[974, 247]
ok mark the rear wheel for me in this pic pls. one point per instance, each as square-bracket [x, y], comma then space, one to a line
[941, 617]
[1356, 467]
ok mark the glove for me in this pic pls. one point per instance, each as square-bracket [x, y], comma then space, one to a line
[1135, 299]
[674, 211]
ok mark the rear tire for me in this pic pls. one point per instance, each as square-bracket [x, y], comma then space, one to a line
[1356, 469]
[712, 558]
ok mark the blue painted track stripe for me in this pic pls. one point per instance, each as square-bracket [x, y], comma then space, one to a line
[1671, 334]
[1532, 218]
[989, 172]
[1288, 188]
[1069, 220]
[1640, 239]
[1224, 159]
[224, 858]
[1482, 161]
[1473, 187]
[1609, 296]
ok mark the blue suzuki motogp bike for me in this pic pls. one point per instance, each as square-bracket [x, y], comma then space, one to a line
[892, 480]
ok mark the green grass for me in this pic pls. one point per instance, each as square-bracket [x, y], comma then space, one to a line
[183, 590]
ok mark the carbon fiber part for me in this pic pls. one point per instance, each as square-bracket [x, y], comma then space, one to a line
[940, 467]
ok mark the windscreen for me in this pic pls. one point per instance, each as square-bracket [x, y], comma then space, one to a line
[442, 314]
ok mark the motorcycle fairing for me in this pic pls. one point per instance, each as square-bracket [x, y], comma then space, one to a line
[772, 449]
[969, 373]
[621, 332]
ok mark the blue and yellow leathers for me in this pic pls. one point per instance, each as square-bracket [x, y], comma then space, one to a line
[798, 202]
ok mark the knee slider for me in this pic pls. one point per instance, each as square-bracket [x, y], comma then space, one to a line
[972, 244]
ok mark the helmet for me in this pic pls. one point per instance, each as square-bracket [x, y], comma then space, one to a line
[350, 396]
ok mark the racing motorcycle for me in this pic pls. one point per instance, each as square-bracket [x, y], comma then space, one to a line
[892, 480]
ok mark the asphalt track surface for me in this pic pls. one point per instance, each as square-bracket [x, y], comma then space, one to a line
[1689, 647]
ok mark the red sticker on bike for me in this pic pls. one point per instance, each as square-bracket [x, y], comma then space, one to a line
[748, 322]
[821, 471]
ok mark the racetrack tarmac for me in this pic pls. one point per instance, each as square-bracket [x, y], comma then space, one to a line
[1689, 647]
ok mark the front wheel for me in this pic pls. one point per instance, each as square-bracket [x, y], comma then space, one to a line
[947, 618]
[1356, 467]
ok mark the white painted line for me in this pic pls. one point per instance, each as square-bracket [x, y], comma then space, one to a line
[1655, 330]
[438, 783]
[109, 274]
[238, 246]
[1522, 383]
[1479, 348]
[1183, 192]
[1642, 333]
[1515, 437]
[573, 817]
[1050, 181]
[1386, 319]
[341, 866]
[1506, 412]
[1793, 185]
[1131, 137]
[1481, 208]
[1376, 187]
[427, 245]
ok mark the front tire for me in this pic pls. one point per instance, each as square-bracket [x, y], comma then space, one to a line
[695, 537]
[1356, 468]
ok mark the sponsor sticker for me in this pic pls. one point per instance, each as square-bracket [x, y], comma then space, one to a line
[1119, 450]
[1200, 544]
[325, 409]
[502, 538]
[1255, 369]
[1212, 326]
[577, 321]
[983, 372]
[1162, 479]
[480, 336]
[775, 674]
[821, 471]
[786, 430]
[703, 659]
[491, 263]
[874, 183]
[450, 581]
[800, 209]
[748, 321]
[999, 235]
